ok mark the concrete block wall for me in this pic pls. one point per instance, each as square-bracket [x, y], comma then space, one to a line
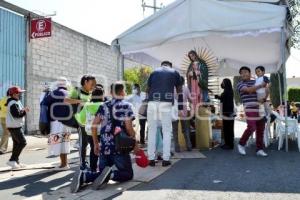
[131, 64]
[67, 53]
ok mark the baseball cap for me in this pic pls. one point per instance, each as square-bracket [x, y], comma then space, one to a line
[141, 159]
[15, 90]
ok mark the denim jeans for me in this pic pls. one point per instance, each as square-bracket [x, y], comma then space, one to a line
[83, 142]
[142, 130]
[185, 127]
[159, 141]
[205, 96]
[93, 156]
[122, 162]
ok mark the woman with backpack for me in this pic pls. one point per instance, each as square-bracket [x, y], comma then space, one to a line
[59, 138]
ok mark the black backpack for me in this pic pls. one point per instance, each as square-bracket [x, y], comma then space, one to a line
[44, 121]
[123, 143]
[72, 110]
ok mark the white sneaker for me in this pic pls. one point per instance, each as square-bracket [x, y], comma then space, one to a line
[13, 164]
[242, 150]
[22, 165]
[261, 153]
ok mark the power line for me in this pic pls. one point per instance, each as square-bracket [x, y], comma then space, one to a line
[154, 6]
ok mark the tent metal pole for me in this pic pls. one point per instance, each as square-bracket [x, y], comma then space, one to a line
[120, 63]
[284, 87]
[122, 66]
[280, 89]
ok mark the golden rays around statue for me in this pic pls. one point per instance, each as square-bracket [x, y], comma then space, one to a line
[205, 55]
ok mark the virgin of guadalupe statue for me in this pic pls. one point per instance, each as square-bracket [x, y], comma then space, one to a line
[197, 79]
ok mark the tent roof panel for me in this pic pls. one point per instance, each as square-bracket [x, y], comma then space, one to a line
[253, 29]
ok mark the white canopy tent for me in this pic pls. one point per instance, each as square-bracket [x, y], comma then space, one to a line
[237, 32]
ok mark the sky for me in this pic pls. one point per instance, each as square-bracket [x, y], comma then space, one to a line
[104, 20]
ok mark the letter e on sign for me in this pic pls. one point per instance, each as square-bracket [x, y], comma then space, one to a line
[40, 28]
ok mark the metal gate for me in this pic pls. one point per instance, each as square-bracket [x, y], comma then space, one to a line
[12, 50]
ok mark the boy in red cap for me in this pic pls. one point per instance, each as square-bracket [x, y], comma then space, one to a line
[15, 119]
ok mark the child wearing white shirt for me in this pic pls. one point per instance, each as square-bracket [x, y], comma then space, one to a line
[262, 93]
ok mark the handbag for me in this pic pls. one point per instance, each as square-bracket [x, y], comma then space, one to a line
[123, 143]
[143, 108]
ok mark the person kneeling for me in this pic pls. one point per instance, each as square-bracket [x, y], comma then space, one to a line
[114, 116]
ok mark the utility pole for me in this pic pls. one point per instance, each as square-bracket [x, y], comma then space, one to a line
[154, 6]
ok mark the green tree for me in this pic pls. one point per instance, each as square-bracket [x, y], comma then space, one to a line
[137, 75]
[276, 80]
[294, 94]
[237, 97]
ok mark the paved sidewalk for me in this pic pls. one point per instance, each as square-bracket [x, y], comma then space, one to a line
[37, 141]
[32, 153]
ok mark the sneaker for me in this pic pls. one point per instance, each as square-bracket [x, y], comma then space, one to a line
[22, 165]
[242, 150]
[102, 178]
[152, 163]
[76, 182]
[261, 153]
[166, 163]
[13, 164]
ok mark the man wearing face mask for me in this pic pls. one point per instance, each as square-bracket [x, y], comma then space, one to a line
[136, 100]
[15, 119]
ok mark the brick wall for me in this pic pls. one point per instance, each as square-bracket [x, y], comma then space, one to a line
[131, 64]
[67, 53]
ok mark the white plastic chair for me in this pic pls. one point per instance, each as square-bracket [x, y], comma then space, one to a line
[292, 130]
[298, 136]
[267, 132]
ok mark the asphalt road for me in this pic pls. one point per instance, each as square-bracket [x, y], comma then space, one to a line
[222, 175]
[227, 175]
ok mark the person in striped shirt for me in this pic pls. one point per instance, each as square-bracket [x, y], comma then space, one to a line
[247, 90]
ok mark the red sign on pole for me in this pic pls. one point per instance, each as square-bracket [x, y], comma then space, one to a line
[40, 28]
